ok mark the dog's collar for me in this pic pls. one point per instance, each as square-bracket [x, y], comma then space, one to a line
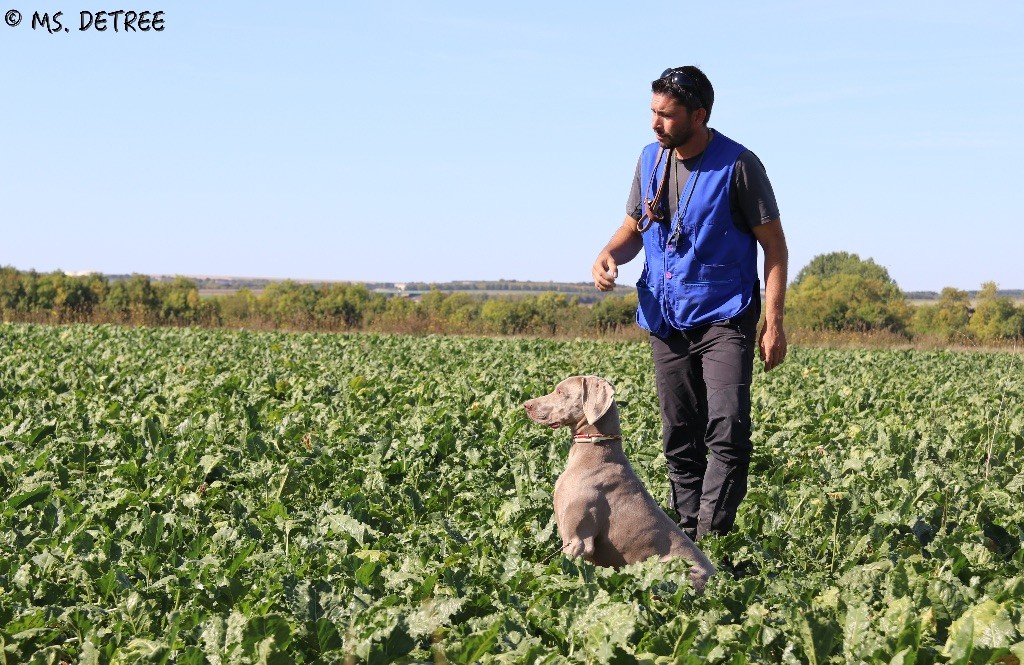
[587, 438]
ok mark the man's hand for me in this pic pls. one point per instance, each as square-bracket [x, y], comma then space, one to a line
[772, 346]
[772, 340]
[625, 244]
[605, 271]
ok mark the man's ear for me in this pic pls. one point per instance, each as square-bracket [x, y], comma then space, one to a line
[597, 397]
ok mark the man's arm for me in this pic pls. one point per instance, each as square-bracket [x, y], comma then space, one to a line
[772, 340]
[622, 248]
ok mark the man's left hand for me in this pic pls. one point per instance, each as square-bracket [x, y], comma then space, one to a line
[772, 346]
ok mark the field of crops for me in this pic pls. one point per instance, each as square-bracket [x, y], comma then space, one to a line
[197, 496]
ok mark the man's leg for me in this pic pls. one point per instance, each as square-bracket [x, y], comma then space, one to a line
[727, 358]
[684, 421]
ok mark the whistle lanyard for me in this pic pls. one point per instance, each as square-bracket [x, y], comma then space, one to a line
[650, 213]
[681, 214]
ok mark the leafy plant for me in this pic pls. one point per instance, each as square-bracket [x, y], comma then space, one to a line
[201, 496]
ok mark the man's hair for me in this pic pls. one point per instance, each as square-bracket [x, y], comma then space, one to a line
[685, 95]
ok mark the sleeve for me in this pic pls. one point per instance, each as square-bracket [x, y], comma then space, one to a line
[753, 199]
[633, 205]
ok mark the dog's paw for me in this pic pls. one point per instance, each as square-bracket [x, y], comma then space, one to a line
[579, 547]
[573, 549]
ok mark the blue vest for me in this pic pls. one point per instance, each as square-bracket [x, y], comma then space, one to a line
[710, 273]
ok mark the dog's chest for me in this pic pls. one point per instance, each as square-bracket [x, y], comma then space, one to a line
[581, 482]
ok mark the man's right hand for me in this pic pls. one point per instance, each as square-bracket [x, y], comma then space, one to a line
[626, 244]
[605, 271]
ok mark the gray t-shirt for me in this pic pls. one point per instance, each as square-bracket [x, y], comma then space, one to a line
[751, 198]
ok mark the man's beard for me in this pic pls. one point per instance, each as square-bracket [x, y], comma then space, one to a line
[670, 142]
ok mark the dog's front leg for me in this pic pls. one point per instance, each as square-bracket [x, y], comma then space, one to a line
[578, 527]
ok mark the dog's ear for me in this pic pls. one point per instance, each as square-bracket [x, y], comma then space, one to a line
[597, 397]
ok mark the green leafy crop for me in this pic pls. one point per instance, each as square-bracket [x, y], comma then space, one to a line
[198, 496]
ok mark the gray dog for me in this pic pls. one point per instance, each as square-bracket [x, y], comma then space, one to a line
[604, 512]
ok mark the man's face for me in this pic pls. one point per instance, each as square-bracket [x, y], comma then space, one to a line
[671, 122]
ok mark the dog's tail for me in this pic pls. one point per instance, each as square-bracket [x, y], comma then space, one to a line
[699, 576]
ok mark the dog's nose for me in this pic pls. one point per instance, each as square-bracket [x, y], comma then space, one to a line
[528, 405]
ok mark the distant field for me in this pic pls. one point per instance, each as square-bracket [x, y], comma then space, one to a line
[225, 285]
[931, 301]
[931, 297]
[584, 291]
[201, 496]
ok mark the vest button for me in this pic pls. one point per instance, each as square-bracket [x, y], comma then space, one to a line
[668, 275]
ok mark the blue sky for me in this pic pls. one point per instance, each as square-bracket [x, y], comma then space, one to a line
[398, 141]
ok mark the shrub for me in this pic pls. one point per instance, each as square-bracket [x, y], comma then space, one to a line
[614, 312]
[840, 292]
[948, 318]
[995, 317]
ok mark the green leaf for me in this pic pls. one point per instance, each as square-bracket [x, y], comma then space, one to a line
[48, 656]
[432, 614]
[818, 634]
[239, 559]
[960, 643]
[603, 624]
[39, 434]
[904, 657]
[856, 626]
[474, 646]
[143, 651]
[33, 496]
[991, 625]
[364, 574]
[153, 431]
[267, 637]
[327, 636]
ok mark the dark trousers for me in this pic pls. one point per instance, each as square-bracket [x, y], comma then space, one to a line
[703, 378]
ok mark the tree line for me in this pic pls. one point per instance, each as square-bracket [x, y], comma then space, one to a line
[138, 300]
[840, 292]
[834, 293]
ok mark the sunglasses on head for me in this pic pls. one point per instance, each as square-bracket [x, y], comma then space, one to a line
[684, 81]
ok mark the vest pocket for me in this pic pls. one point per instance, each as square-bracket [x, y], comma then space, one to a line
[699, 303]
[721, 244]
[709, 273]
[648, 312]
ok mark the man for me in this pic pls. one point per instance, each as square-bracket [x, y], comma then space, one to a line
[699, 206]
